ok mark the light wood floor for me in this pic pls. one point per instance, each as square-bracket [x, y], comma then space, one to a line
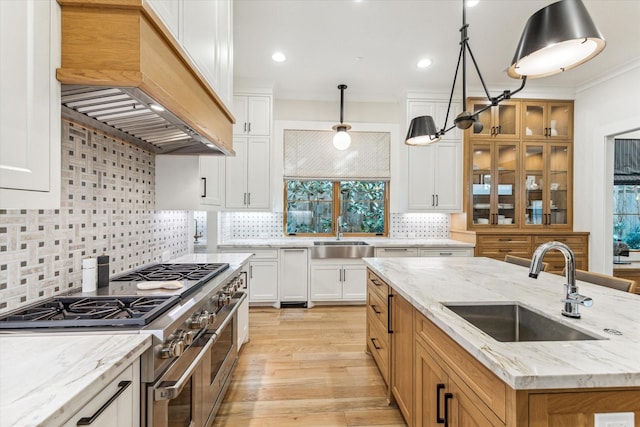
[307, 367]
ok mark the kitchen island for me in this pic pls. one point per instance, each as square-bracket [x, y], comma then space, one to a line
[513, 381]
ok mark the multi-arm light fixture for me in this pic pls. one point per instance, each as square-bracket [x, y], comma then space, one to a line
[557, 38]
[341, 140]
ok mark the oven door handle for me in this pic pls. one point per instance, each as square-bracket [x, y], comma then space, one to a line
[175, 388]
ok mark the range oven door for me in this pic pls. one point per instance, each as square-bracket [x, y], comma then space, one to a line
[220, 361]
[175, 400]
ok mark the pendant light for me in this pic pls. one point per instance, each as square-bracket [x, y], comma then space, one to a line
[555, 39]
[341, 140]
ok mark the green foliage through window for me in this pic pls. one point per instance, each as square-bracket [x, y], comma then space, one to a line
[626, 214]
[314, 206]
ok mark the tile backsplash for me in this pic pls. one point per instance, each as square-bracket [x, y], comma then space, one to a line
[267, 225]
[107, 207]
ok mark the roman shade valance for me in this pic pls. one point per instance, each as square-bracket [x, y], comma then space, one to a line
[626, 166]
[311, 155]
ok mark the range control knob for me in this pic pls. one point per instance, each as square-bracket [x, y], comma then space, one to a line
[172, 349]
[187, 337]
[198, 321]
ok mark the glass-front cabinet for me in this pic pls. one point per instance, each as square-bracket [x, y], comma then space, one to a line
[500, 122]
[547, 120]
[494, 184]
[547, 184]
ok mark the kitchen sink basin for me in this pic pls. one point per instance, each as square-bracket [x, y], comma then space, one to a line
[513, 322]
[341, 243]
[341, 249]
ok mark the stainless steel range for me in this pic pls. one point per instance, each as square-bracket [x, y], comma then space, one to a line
[194, 328]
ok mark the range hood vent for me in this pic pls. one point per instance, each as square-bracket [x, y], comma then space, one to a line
[124, 74]
[127, 114]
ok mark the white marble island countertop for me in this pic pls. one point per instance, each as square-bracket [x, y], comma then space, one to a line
[613, 361]
[46, 379]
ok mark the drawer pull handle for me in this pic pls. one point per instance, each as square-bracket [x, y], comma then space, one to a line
[504, 250]
[447, 397]
[373, 341]
[505, 239]
[439, 419]
[85, 421]
[446, 253]
[375, 282]
[389, 330]
[375, 310]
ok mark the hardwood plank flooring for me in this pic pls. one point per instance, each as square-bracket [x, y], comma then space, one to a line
[307, 367]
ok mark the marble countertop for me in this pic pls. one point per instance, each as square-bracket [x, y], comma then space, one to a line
[68, 371]
[378, 242]
[613, 361]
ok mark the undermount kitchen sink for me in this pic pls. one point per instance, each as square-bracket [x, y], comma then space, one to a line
[512, 322]
[341, 249]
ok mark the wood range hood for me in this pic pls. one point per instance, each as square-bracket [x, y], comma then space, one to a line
[118, 61]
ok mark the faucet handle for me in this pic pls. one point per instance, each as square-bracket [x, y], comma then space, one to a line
[576, 298]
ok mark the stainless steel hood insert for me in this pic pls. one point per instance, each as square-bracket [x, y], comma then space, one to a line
[131, 115]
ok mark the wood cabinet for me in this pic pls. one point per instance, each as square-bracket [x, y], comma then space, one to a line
[378, 323]
[30, 105]
[247, 183]
[189, 182]
[293, 275]
[402, 340]
[547, 120]
[498, 245]
[253, 115]
[520, 178]
[435, 171]
[330, 281]
[117, 404]
[495, 122]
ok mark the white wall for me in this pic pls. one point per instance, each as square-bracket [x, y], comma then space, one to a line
[602, 111]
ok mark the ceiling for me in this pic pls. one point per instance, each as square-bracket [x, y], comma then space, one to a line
[373, 45]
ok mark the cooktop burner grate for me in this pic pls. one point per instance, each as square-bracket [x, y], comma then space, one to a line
[89, 311]
[173, 272]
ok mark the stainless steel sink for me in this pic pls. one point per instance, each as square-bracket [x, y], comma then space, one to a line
[341, 249]
[340, 243]
[513, 322]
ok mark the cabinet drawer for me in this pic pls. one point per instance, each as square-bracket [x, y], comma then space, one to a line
[378, 345]
[557, 263]
[489, 388]
[264, 253]
[446, 252]
[571, 241]
[396, 252]
[504, 240]
[499, 253]
[377, 308]
[376, 284]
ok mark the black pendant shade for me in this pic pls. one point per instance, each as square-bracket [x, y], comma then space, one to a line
[557, 38]
[422, 131]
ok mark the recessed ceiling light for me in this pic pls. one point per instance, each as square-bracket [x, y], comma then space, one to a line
[471, 3]
[156, 107]
[279, 57]
[424, 63]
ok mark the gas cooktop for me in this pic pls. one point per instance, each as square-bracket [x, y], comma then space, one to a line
[162, 272]
[75, 311]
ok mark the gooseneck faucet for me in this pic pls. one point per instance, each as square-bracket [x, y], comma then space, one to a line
[572, 299]
[339, 230]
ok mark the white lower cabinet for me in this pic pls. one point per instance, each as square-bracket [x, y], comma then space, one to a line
[446, 252]
[293, 275]
[396, 252]
[263, 281]
[118, 404]
[332, 282]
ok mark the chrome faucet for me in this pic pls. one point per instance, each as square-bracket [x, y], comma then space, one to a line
[339, 231]
[572, 299]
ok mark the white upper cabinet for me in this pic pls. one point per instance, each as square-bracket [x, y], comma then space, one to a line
[248, 174]
[189, 182]
[29, 105]
[435, 171]
[253, 115]
[204, 28]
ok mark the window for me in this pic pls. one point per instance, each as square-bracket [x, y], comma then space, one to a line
[325, 186]
[626, 192]
[313, 207]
